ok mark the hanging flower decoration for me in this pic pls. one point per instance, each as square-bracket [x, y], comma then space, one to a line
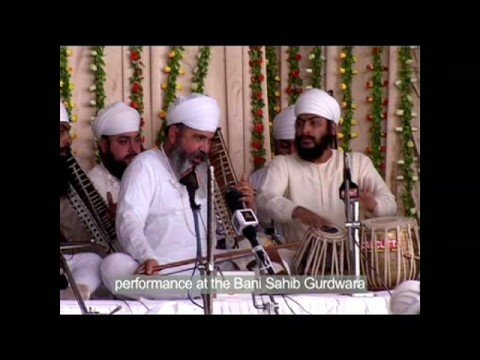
[136, 88]
[170, 87]
[347, 72]
[295, 82]
[376, 150]
[97, 67]
[200, 72]
[66, 86]
[273, 90]
[406, 113]
[317, 66]
[256, 61]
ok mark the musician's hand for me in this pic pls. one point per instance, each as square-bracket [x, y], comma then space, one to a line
[367, 200]
[147, 268]
[309, 218]
[248, 192]
[112, 207]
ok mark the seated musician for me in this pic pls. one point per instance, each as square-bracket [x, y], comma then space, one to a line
[85, 266]
[302, 189]
[117, 130]
[284, 134]
[154, 220]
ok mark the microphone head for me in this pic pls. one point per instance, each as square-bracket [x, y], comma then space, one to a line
[251, 234]
[233, 199]
[189, 179]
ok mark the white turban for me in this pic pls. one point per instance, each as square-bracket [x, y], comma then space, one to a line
[406, 298]
[197, 111]
[284, 124]
[318, 102]
[63, 113]
[117, 118]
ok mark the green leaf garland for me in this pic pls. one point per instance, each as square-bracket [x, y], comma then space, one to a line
[377, 151]
[97, 66]
[273, 89]
[317, 66]
[170, 87]
[66, 86]
[200, 73]
[256, 61]
[347, 73]
[406, 113]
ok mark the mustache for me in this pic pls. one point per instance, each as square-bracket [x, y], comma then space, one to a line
[198, 154]
[306, 137]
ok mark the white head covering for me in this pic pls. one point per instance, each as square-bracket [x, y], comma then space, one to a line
[63, 113]
[406, 298]
[284, 124]
[197, 111]
[117, 118]
[318, 102]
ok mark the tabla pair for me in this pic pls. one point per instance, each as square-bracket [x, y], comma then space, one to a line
[390, 252]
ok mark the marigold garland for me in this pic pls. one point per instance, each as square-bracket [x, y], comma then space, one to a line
[200, 72]
[273, 90]
[347, 72]
[136, 88]
[377, 151]
[406, 113]
[295, 82]
[256, 61]
[170, 87]
[317, 66]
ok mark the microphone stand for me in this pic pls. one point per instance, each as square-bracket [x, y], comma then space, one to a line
[352, 224]
[209, 262]
[265, 266]
[73, 285]
[71, 279]
[191, 185]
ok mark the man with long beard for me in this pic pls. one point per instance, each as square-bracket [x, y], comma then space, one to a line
[302, 189]
[85, 266]
[154, 219]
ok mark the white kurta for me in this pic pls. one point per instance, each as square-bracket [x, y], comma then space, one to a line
[154, 219]
[104, 182]
[293, 182]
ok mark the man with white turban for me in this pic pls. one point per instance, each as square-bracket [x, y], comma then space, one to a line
[284, 134]
[154, 220]
[117, 131]
[85, 266]
[301, 189]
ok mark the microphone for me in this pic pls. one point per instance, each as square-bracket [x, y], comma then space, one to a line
[244, 221]
[189, 179]
[347, 180]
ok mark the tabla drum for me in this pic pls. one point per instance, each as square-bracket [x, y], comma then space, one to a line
[390, 251]
[322, 252]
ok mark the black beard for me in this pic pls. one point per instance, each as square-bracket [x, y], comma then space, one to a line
[312, 154]
[116, 168]
[64, 175]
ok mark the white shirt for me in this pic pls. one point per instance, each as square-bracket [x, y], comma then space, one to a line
[154, 219]
[292, 181]
[104, 182]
